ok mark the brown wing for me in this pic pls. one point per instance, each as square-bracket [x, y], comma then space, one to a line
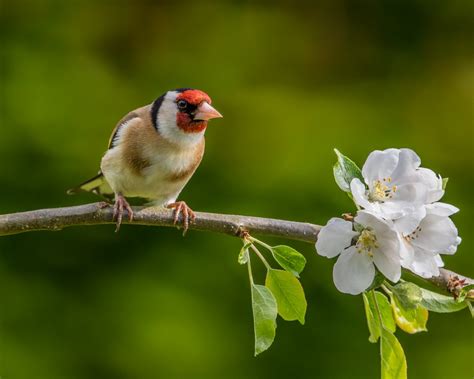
[98, 184]
[125, 119]
[143, 113]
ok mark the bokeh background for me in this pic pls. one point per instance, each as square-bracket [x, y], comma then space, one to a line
[293, 80]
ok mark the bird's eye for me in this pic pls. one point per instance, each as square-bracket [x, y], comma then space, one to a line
[182, 104]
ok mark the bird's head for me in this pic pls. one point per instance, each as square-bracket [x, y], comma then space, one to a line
[181, 115]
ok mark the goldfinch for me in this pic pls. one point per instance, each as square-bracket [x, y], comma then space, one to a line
[153, 152]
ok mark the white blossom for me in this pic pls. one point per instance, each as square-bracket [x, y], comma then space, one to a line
[396, 188]
[374, 244]
[436, 234]
[401, 224]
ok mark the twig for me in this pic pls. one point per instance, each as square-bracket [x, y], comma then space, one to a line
[55, 219]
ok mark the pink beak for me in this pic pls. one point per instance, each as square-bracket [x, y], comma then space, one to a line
[206, 112]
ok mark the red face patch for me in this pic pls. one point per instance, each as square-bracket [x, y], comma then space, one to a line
[194, 96]
[184, 119]
[186, 123]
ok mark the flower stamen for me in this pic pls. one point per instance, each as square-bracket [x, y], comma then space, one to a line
[380, 191]
[413, 235]
[366, 242]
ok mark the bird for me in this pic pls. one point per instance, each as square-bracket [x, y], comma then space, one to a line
[153, 152]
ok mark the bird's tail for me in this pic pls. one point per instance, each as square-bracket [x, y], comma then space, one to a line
[97, 185]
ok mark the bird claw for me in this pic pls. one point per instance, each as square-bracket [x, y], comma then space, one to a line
[180, 207]
[120, 205]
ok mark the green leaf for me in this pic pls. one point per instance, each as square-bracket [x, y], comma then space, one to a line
[445, 183]
[372, 321]
[372, 314]
[344, 171]
[408, 294]
[435, 302]
[411, 320]
[464, 292]
[385, 311]
[289, 294]
[288, 258]
[264, 309]
[393, 361]
[243, 257]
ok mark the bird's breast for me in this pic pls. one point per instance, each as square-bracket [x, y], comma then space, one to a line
[172, 166]
[166, 175]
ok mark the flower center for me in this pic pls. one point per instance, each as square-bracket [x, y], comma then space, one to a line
[382, 190]
[367, 242]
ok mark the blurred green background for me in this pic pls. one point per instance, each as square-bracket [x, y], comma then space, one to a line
[293, 80]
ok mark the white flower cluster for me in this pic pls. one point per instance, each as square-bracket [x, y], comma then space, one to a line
[401, 223]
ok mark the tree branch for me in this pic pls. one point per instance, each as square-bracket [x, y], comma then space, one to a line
[55, 219]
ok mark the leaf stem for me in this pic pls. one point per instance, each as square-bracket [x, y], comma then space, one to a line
[260, 243]
[249, 266]
[259, 254]
[384, 287]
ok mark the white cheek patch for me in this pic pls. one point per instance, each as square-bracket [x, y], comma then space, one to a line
[167, 123]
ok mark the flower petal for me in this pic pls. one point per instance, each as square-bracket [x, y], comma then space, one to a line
[379, 164]
[433, 182]
[358, 191]
[387, 258]
[334, 237]
[437, 234]
[407, 253]
[387, 255]
[441, 209]
[353, 272]
[408, 162]
[412, 193]
[408, 199]
[453, 248]
[439, 260]
[373, 221]
[425, 264]
[390, 210]
[408, 223]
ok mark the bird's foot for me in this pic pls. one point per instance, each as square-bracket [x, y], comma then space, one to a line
[180, 207]
[120, 205]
